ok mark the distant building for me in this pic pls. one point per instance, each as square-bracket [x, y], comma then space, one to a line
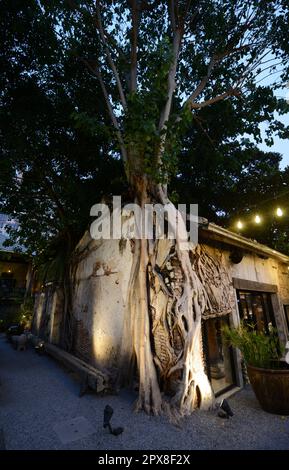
[15, 271]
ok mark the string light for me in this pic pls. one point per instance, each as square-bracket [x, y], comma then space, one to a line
[279, 212]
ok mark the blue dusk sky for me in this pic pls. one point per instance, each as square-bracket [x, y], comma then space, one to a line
[280, 145]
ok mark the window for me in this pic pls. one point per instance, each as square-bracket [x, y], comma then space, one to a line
[7, 285]
[255, 308]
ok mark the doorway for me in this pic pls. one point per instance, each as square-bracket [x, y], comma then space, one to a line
[219, 357]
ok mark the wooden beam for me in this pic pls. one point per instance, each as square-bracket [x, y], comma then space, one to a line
[244, 284]
[97, 379]
[216, 233]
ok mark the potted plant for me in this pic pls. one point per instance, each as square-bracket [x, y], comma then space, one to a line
[268, 374]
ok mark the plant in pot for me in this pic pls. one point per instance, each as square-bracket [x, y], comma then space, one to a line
[267, 372]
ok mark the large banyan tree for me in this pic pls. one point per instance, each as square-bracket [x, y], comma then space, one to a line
[158, 64]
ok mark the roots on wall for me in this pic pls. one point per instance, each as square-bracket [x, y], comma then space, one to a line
[169, 292]
[141, 303]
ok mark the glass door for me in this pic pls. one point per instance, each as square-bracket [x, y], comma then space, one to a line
[218, 355]
[286, 308]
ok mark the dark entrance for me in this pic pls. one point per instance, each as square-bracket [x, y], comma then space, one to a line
[286, 308]
[218, 355]
[255, 308]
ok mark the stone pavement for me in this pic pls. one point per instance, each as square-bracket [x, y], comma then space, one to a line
[40, 409]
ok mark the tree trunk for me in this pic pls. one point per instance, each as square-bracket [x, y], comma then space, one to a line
[163, 320]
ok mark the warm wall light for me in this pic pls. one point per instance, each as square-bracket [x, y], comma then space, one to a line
[279, 212]
[257, 219]
[9, 270]
[240, 225]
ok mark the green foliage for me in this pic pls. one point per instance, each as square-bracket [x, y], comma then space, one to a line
[17, 313]
[141, 122]
[232, 179]
[258, 348]
[56, 145]
[26, 312]
[59, 149]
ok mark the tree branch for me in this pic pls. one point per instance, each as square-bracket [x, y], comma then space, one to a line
[171, 88]
[213, 62]
[186, 12]
[178, 31]
[54, 197]
[109, 57]
[203, 104]
[135, 12]
[203, 82]
[172, 14]
[96, 72]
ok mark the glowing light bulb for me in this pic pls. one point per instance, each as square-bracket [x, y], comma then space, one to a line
[279, 212]
[258, 219]
[240, 225]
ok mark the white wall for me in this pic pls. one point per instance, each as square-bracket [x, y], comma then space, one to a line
[101, 282]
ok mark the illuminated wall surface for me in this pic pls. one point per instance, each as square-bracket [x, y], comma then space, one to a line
[100, 295]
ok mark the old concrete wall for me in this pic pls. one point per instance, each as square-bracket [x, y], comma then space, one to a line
[48, 313]
[100, 281]
[100, 290]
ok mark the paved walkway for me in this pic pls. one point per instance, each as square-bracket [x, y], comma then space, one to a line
[40, 409]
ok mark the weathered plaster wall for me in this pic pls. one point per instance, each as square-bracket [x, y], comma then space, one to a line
[101, 282]
[38, 311]
[48, 313]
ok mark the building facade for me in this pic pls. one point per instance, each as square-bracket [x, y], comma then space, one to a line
[259, 283]
[15, 271]
[245, 280]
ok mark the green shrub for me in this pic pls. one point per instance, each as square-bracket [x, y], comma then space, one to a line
[26, 312]
[258, 348]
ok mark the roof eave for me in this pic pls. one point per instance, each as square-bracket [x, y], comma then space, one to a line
[223, 235]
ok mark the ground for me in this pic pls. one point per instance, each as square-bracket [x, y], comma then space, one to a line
[40, 409]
